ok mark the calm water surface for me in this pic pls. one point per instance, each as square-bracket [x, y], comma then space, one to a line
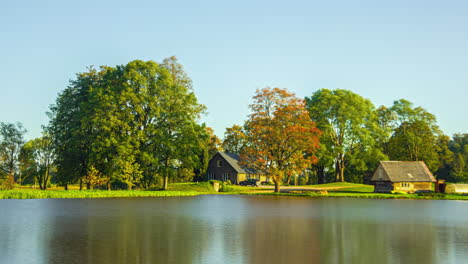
[233, 229]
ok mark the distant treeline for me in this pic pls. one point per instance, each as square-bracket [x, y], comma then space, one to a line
[138, 126]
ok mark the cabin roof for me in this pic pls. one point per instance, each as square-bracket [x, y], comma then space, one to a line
[233, 160]
[406, 171]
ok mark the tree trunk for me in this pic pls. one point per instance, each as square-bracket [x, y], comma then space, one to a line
[41, 182]
[277, 186]
[166, 181]
[81, 184]
[339, 168]
[108, 185]
[65, 186]
[88, 186]
[166, 176]
[321, 175]
[46, 178]
[288, 180]
[342, 173]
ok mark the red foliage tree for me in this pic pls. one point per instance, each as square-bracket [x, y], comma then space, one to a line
[280, 136]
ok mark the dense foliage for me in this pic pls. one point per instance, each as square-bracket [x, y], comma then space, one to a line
[350, 130]
[129, 125]
[280, 137]
[137, 125]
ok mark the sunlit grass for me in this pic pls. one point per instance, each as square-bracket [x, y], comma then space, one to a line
[363, 189]
[47, 194]
[369, 195]
[338, 184]
[191, 189]
[201, 187]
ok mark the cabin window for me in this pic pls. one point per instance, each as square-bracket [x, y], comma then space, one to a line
[220, 163]
[225, 176]
[210, 176]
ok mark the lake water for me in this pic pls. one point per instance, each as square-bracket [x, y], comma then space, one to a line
[233, 229]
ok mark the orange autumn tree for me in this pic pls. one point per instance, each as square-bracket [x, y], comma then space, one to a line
[281, 139]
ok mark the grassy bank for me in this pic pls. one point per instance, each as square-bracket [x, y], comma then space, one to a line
[38, 194]
[175, 189]
[178, 189]
[352, 190]
[191, 189]
[371, 195]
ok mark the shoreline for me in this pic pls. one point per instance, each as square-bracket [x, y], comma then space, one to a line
[96, 194]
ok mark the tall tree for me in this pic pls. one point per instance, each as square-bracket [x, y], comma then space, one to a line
[210, 145]
[445, 156]
[415, 135]
[38, 157]
[349, 124]
[129, 124]
[11, 141]
[234, 139]
[279, 135]
[459, 167]
[71, 137]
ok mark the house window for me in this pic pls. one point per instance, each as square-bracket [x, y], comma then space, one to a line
[220, 163]
[225, 176]
[210, 176]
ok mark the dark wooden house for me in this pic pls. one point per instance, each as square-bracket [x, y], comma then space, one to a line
[405, 176]
[225, 166]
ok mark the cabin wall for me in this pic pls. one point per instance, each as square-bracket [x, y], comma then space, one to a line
[219, 169]
[241, 177]
[412, 187]
[379, 175]
[383, 186]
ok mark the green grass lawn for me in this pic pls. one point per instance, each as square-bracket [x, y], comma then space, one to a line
[338, 184]
[175, 189]
[39, 194]
[369, 195]
[191, 189]
[200, 187]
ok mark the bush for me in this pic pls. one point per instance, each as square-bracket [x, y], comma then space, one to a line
[302, 181]
[8, 183]
[228, 182]
[227, 188]
[434, 195]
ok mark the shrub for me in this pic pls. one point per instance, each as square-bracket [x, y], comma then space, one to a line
[8, 183]
[228, 182]
[227, 188]
[433, 195]
[302, 181]
[398, 192]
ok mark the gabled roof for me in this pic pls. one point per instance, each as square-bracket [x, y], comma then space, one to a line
[405, 171]
[233, 160]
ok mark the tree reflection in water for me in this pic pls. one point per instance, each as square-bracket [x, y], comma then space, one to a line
[233, 229]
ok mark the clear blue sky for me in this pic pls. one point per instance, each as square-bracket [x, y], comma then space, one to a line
[383, 50]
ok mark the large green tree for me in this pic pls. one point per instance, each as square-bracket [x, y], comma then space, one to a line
[210, 145]
[414, 141]
[459, 166]
[349, 125]
[71, 135]
[131, 124]
[234, 139]
[415, 135]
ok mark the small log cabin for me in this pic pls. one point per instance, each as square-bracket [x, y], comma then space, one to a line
[405, 176]
[225, 166]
